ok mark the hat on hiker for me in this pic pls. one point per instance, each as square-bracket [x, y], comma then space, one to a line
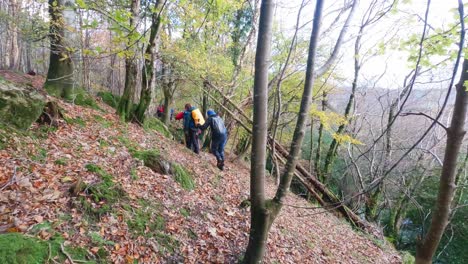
[211, 112]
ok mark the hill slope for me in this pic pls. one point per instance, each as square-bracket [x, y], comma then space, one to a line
[154, 219]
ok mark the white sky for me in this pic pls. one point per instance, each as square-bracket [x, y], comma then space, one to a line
[440, 15]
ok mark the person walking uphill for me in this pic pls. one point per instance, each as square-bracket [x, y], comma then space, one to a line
[218, 136]
[192, 119]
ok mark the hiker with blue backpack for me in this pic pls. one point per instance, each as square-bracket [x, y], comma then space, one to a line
[218, 136]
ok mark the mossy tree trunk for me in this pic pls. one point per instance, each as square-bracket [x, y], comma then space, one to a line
[60, 77]
[260, 217]
[318, 153]
[125, 107]
[263, 213]
[447, 185]
[148, 74]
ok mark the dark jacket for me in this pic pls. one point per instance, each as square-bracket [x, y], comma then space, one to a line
[215, 123]
[188, 120]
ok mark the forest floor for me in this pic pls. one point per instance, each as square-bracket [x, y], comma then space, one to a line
[154, 219]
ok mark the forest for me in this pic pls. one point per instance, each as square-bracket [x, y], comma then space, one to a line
[344, 125]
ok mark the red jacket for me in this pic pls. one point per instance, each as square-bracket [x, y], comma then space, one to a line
[179, 116]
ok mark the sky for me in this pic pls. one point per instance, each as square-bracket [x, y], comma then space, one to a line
[394, 63]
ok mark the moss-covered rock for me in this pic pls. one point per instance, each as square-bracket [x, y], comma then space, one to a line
[153, 160]
[20, 105]
[152, 123]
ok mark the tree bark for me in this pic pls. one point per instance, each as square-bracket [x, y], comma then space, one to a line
[447, 186]
[259, 212]
[14, 47]
[60, 77]
[148, 72]
[124, 109]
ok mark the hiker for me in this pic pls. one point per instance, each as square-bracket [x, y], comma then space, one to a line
[218, 136]
[160, 110]
[192, 119]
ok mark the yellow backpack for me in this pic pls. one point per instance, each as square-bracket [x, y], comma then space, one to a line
[197, 117]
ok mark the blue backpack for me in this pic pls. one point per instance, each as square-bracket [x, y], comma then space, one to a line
[218, 125]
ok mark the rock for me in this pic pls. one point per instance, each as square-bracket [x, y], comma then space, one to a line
[20, 105]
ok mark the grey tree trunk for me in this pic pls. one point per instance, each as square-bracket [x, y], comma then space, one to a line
[60, 74]
[259, 213]
[264, 212]
[447, 186]
[14, 47]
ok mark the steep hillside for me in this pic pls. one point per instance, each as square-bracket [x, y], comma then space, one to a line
[83, 189]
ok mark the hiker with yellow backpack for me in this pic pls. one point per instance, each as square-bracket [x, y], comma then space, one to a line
[193, 118]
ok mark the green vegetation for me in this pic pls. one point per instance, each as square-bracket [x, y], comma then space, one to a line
[183, 177]
[78, 121]
[185, 212]
[146, 221]
[20, 105]
[97, 239]
[41, 155]
[103, 195]
[83, 98]
[109, 99]
[61, 161]
[152, 123]
[17, 248]
[104, 122]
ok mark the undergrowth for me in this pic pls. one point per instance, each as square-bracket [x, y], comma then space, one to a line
[101, 196]
[152, 123]
[146, 221]
[183, 177]
[17, 248]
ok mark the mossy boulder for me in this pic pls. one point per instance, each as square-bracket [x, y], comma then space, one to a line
[152, 123]
[20, 105]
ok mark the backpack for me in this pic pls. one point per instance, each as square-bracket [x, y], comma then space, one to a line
[218, 125]
[197, 117]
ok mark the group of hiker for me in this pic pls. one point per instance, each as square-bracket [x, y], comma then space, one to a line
[194, 123]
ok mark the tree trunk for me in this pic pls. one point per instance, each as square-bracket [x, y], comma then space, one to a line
[265, 213]
[455, 135]
[125, 107]
[167, 102]
[148, 74]
[60, 77]
[259, 215]
[14, 48]
[318, 153]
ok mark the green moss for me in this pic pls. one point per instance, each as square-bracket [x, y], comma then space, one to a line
[98, 240]
[152, 123]
[61, 161]
[103, 195]
[147, 156]
[83, 98]
[407, 258]
[104, 122]
[17, 248]
[41, 156]
[146, 221]
[183, 177]
[109, 99]
[78, 121]
[184, 212]
[20, 106]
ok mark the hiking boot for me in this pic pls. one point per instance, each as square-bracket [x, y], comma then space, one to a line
[220, 164]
